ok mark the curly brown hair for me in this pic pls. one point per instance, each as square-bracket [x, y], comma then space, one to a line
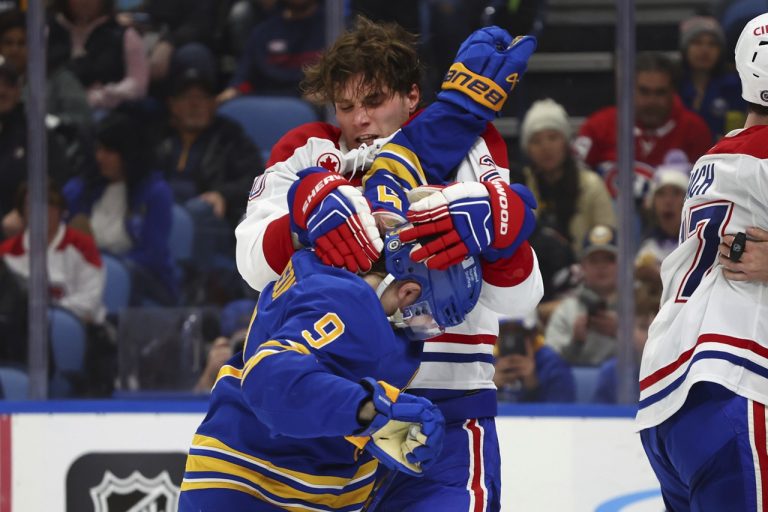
[384, 54]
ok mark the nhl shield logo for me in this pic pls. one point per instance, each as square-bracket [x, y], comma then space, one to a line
[136, 493]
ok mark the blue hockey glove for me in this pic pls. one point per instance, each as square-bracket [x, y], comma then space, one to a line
[407, 431]
[330, 215]
[486, 69]
[472, 218]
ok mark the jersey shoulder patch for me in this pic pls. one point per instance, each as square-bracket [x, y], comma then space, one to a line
[298, 137]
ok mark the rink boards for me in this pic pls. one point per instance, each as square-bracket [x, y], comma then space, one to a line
[121, 456]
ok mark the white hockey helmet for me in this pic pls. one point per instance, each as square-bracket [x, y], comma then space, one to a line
[752, 60]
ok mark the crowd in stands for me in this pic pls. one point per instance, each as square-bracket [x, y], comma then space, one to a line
[135, 140]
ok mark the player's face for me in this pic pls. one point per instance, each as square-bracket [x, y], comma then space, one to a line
[13, 46]
[366, 113]
[667, 207]
[192, 109]
[654, 95]
[547, 150]
[599, 270]
[703, 52]
[110, 163]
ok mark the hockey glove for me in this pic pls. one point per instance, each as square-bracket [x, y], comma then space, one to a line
[407, 431]
[334, 218]
[486, 69]
[488, 218]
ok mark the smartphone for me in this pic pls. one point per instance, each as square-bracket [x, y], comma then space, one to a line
[511, 340]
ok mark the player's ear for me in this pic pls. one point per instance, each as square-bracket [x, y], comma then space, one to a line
[413, 98]
[408, 293]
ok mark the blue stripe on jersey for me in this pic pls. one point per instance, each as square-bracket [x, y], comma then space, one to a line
[270, 497]
[444, 357]
[708, 354]
[292, 482]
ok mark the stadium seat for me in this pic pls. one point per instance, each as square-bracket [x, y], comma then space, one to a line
[267, 118]
[68, 341]
[117, 291]
[14, 383]
[182, 234]
[586, 382]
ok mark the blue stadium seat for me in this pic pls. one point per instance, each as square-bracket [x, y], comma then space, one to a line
[182, 234]
[267, 118]
[14, 383]
[117, 291]
[586, 382]
[68, 341]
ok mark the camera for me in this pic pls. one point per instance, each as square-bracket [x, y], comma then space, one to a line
[512, 337]
[592, 301]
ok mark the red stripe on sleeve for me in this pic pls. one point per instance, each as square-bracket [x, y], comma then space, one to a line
[84, 243]
[510, 271]
[496, 145]
[761, 446]
[277, 244]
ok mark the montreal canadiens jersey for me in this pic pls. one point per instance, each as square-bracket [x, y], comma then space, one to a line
[710, 328]
[457, 370]
[280, 409]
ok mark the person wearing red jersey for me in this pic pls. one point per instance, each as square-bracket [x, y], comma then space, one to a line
[662, 125]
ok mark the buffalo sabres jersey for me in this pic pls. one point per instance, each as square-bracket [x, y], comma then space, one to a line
[710, 328]
[280, 409]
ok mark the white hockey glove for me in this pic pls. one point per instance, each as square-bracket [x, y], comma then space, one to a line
[407, 432]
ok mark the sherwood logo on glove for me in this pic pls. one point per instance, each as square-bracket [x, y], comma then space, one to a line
[481, 89]
[317, 188]
[504, 204]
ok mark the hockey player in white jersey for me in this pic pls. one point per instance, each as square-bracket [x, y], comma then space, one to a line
[704, 372]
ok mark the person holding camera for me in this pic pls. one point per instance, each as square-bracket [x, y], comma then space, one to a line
[527, 370]
[583, 327]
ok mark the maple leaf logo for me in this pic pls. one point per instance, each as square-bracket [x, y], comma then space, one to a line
[329, 161]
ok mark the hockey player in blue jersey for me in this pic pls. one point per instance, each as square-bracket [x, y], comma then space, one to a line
[321, 362]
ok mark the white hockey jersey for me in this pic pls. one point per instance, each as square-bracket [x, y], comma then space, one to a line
[710, 328]
[457, 362]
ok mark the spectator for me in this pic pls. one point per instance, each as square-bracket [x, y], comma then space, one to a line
[571, 199]
[208, 159]
[65, 95]
[234, 321]
[178, 23]
[527, 370]
[13, 317]
[662, 124]
[666, 204]
[76, 277]
[107, 58]
[278, 49]
[583, 327]
[708, 87]
[128, 207]
[76, 280]
[13, 153]
[647, 297]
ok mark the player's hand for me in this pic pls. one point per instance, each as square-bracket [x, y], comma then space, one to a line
[753, 264]
[334, 218]
[406, 432]
[486, 69]
[489, 218]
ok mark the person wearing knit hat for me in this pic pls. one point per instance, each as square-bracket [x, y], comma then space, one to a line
[708, 86]
[571, 199]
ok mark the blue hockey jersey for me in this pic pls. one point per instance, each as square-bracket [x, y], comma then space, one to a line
[280, 409]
